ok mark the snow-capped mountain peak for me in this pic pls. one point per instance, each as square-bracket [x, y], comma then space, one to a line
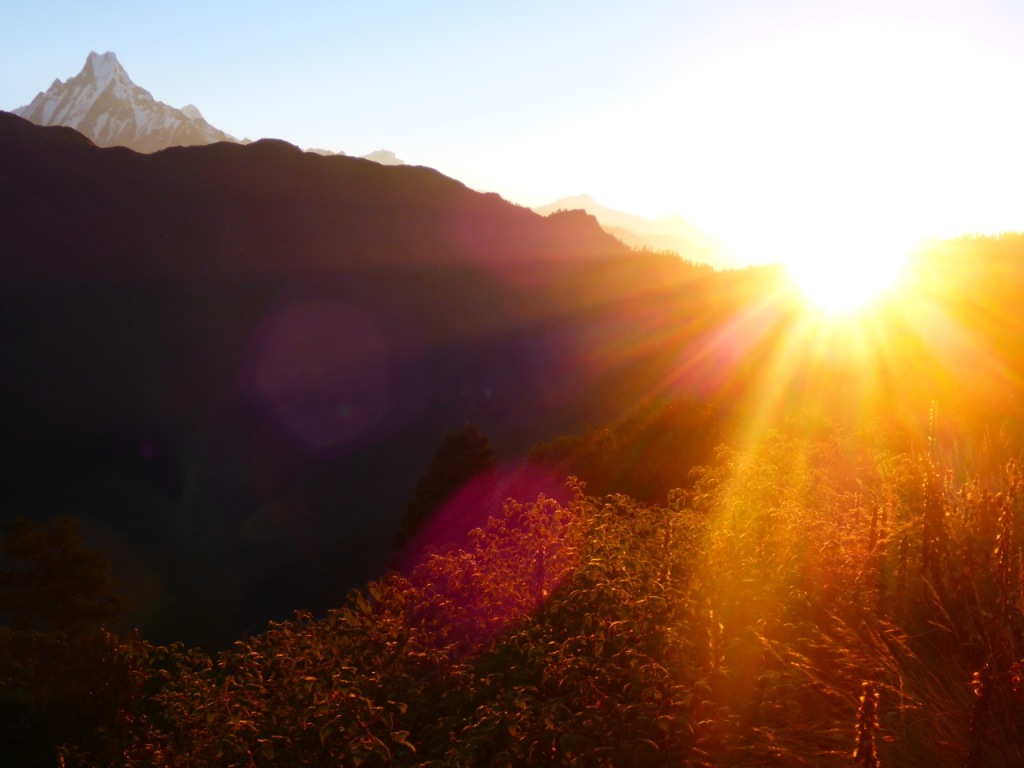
[103, 103]
[105, 67]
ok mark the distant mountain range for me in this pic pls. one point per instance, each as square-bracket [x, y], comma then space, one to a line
[669, 233]
[102, 103]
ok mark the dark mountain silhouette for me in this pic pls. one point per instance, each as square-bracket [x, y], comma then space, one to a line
[231, 362]
[669, 233]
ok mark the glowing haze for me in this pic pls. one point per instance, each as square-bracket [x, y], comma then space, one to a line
[793, 130]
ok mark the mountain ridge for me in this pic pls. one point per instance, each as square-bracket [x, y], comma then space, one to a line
[328, 205]
[667, 233]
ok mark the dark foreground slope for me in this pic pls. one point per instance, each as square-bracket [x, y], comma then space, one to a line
[231, 362]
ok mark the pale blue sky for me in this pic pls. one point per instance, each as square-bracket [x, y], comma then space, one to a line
[748, 117]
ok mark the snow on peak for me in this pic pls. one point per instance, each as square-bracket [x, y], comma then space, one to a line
[101, 60]
[104, 68]
[103, 103]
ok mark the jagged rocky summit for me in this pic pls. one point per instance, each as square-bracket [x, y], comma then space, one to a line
[102, 103]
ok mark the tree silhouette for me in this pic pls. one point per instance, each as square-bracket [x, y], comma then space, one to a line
[462, 455]
[62, 680]
[52, 581]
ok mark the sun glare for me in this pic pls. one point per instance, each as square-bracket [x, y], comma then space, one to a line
[845, 283]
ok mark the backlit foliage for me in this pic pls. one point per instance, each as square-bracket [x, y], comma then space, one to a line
[822, 602]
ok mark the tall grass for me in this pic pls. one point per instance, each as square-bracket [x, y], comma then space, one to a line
[827, 602]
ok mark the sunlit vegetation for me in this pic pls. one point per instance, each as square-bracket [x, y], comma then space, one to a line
[826, 572]
[802, 600]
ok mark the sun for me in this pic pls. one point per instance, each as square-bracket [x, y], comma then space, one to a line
[843, 282]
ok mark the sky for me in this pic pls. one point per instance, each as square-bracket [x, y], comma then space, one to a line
[777, 126]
